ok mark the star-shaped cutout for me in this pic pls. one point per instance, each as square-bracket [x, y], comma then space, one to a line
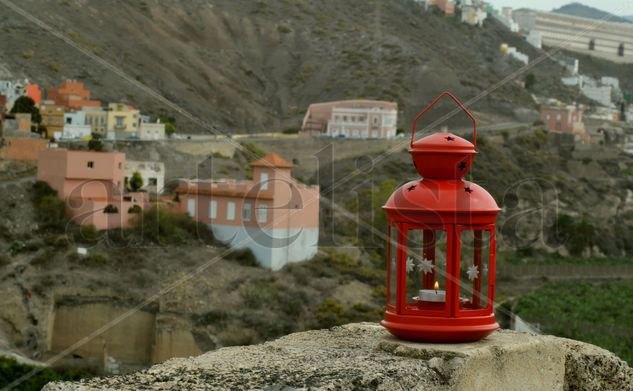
[449, 138]
[412, 187]
[468, 190]
[426, 266]
[410, 265]
[462, 166]
[473, 272]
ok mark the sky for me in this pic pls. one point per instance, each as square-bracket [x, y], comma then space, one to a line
[617, 7]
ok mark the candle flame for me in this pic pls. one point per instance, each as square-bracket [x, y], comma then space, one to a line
[437, 285]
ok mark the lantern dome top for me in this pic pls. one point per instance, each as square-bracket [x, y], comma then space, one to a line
[442, 156]
[442, 202]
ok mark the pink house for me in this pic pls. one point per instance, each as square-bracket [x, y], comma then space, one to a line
[274, 215]
[564, 119]
[92, 185]
[351, 119]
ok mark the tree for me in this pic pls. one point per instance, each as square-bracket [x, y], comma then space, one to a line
[530, 81]
[25, 104]
[170, 124]
[95, 143]
[136, 181]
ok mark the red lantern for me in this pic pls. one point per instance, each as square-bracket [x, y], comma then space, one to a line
[441, 248]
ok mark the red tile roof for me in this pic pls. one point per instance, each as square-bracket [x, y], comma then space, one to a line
[272, 160]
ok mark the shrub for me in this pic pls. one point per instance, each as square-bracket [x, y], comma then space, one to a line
[136, 181]
[11, 370]
[330, 313]
[243, 257]
[135, 209]
[49, 210]
[110, 209]
[162, 226]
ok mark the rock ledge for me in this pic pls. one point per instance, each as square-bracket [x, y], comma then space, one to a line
[364, 356]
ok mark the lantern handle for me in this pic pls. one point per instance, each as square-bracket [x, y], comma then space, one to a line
[427, 108]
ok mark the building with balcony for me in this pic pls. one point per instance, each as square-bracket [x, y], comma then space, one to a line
[351, 119]
[273, 215]
[52, 118]
[92, 186]
[97, 119]
[122, 118]
[72, 95]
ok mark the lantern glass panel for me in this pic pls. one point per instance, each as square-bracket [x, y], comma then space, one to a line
[474, 266]
[425, 264]
[392, 257]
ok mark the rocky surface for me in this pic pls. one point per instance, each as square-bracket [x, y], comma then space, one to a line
[365, 356]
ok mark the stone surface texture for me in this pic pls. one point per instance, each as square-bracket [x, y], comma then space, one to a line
[364, 356]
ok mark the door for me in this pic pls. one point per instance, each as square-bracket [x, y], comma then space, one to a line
[191, 207]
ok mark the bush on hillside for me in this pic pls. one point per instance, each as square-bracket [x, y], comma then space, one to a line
[162, 226]
[49, 209]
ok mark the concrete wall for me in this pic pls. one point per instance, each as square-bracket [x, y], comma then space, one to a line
[19, 148]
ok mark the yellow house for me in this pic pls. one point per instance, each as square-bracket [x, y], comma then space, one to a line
[52, 118]
[122, 118]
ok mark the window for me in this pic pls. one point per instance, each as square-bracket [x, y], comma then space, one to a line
[621, 50]
[120, 165]
[344, 118]
[263, 181]
[69, 120]
[426, 270]
[548, 117]
[246, 212]
[262, 213]
[153, 181]
[592, 44]
[191, 207]
[474, 267]
[91, 164]
[230, 211]
[213, 209]
[558, 117]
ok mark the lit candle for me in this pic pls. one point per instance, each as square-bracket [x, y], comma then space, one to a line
[434, 295]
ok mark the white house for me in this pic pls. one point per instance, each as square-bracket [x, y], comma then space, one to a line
[153, 174]
[151, 131]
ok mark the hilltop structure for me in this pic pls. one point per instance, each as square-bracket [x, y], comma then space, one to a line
[609, 40]
[565, 119]
[351, 119]
[274, 215]
[92, 185]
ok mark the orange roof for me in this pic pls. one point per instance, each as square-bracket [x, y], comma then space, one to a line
[272, 160]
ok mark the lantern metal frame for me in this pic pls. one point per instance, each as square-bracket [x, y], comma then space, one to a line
[437, 202]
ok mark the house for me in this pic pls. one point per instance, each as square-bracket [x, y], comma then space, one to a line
[72, 95]
[273, 215]
[92, 186]
[446, 6]
[13, 89]
[151, 131]
[52, 118]
[153, 174]
[97, 119]
[351, 119]
[122, 121]
[473, 14]
[74, 126]
[564, 119]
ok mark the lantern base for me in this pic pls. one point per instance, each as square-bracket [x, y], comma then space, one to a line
[439, 329]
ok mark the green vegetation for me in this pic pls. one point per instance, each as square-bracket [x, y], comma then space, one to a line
[10, 370]
[577, 234]
[49, 209]
[110, 209]
[136, 181]
[134, 209]
[95, 143]
[170, 124]
[162, 226]
[25, 104]
[601, 314]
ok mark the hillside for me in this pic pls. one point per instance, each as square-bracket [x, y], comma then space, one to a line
[255, 65]
[584, 11]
